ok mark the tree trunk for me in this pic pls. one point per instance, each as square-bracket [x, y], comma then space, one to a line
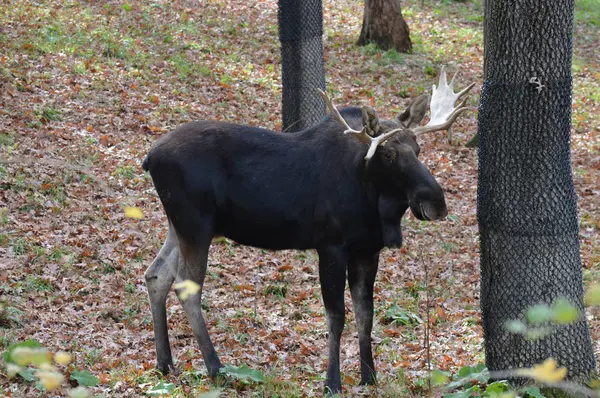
[527, 209]
[384, 25]
[302, 64]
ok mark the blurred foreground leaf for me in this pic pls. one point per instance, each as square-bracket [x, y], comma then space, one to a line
[133, 212]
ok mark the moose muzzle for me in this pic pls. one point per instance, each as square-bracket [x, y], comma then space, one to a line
[427, 201]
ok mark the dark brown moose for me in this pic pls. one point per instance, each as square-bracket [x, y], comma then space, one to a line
[340, 187]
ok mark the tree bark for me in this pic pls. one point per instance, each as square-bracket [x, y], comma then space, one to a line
[527, 210]
[384, 25]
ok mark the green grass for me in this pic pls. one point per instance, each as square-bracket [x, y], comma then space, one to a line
[9, 316]
[126, 172]
[587, 11]
[6, 139]
[37, 284]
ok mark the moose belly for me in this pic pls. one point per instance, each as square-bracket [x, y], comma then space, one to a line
[263, 226]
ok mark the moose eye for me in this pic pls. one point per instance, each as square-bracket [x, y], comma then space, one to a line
[388, 156]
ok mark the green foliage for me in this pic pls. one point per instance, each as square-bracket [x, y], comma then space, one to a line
[533, 392]
[587, 11]
[161, 388]
[468, 375]
[6, 139]
[29, 343]
[34, 363]
[276, 290]
[400, 316]
[84, 378]
[476, 382]
[9, 315]
[243, 373]
[563, 312]
[12, 356]
[541, 319]
[538, 314]
[49, 114]
[37, 284]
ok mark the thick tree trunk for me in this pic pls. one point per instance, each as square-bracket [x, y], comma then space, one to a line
[384, 25]
[527, 209]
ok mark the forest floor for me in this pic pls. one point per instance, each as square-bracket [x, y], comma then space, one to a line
[87, 87]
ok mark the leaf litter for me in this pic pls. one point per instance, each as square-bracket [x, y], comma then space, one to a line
[86, 88]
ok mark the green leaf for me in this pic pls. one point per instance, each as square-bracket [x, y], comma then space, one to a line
[479, 373]
[127, 7]
[592, 296]
[465, 371]
[497, 387]
[79, 392]
[27, 374]
[457, 384]
[539, 314]
[243, 373]
[471, 392]
[401, 316]
[30, 343]
[468, 374]
[161, 389]
[516, 327]
[564, 312]
[453, 218]
[533, 392]
[438, 377]
[84, 378]
[537, 333]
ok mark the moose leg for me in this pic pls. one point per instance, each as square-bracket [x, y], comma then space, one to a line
[159, 278]
[332, 274]
[192, 266]
[362, 270]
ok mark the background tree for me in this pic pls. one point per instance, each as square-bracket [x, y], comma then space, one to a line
[300, 26]
[527, 210]
[384, 25]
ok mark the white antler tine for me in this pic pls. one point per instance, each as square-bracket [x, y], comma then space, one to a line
[443, 78]
[334, 112]
[466, 90]
[457, 112]
[453, 77]
[361, 135]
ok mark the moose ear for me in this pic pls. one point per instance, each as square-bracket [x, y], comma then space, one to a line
[371, 121]
[415, 111]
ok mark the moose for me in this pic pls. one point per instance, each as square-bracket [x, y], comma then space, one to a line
[340, 187]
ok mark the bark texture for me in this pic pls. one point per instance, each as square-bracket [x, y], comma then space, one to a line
[527, 210]
[384, 25]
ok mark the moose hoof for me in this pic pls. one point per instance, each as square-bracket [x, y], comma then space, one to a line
[222, 380]
[167, 368]
[368, 381]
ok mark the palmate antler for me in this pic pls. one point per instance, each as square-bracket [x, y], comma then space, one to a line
[443, 113]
